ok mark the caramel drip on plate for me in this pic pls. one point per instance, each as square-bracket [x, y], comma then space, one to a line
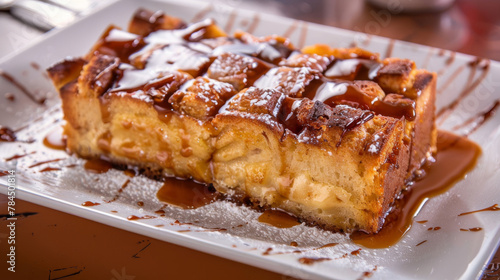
[475, 229]
[44, 162]
[98, 166]
[478, 120]
[484, 66]
[278, 218]
[134, 217]
[493, 207]
[35, 65]
[291, 29]
[203, 13]
[421, 243]
[186, 194]
[303, 34]
[21, 88]
[390, 47]
[55, 139]
[456, 156]
[311, 261]
[7, 134]
[356, 252]
[90, 203]
[230, 21]
[254, 23]
[49, 169]
[326, 246]
[117, 195]
[18, 156]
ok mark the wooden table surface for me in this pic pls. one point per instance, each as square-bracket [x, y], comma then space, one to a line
[56, 245]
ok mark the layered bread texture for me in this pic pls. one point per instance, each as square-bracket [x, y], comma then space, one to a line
[329, 135]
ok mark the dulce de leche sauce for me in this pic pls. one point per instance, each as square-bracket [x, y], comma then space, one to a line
[455, 157]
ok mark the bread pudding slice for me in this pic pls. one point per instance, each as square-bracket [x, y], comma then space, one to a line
[329, 135]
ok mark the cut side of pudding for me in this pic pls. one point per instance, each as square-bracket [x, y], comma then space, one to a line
[328, 135]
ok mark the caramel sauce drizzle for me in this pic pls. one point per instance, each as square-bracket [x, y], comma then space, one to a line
[367, 274]
[130, 173]
[203, 13]
[186, 194]
[55, 139]
[291, 29]
[118, 194]
[430, 53]
[326, 246]
[278, 218]
[49, 169]
[311, 261]
[134, 217]
[150, 77]
[469, 87]
[10, 96]
[421, 243]
[478, 120]
[493, 207]
[90, 203]
[390, 47]
[303, 35]
[449, 61]
[450, 79]
[356, 252]
[7, 134]
[230, 21]
[44, 162]
[21, 88]
[35, 65]
[475, 229]
[295, 244]
[98, 166]
[19, 156]
[456, 156]
[254, 23]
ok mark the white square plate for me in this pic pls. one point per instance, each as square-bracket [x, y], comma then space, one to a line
[447, 254]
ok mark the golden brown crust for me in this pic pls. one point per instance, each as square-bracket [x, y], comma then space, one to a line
[145, 21]
[395, 75]
[201, 98]
[97, 75]
[64, 72]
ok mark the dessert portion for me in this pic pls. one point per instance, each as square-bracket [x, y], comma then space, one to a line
[329, 135]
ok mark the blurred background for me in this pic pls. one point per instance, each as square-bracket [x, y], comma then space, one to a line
[468, 26]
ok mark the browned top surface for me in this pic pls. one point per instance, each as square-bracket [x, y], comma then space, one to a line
[246, 74]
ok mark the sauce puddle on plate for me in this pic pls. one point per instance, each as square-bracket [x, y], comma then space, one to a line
[55, 139]
[455, 157]
[7, 134]
[278, 218]
[186, 194]
[98, 166]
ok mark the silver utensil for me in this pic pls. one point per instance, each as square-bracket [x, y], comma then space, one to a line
[42, 15]
[6, 4]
